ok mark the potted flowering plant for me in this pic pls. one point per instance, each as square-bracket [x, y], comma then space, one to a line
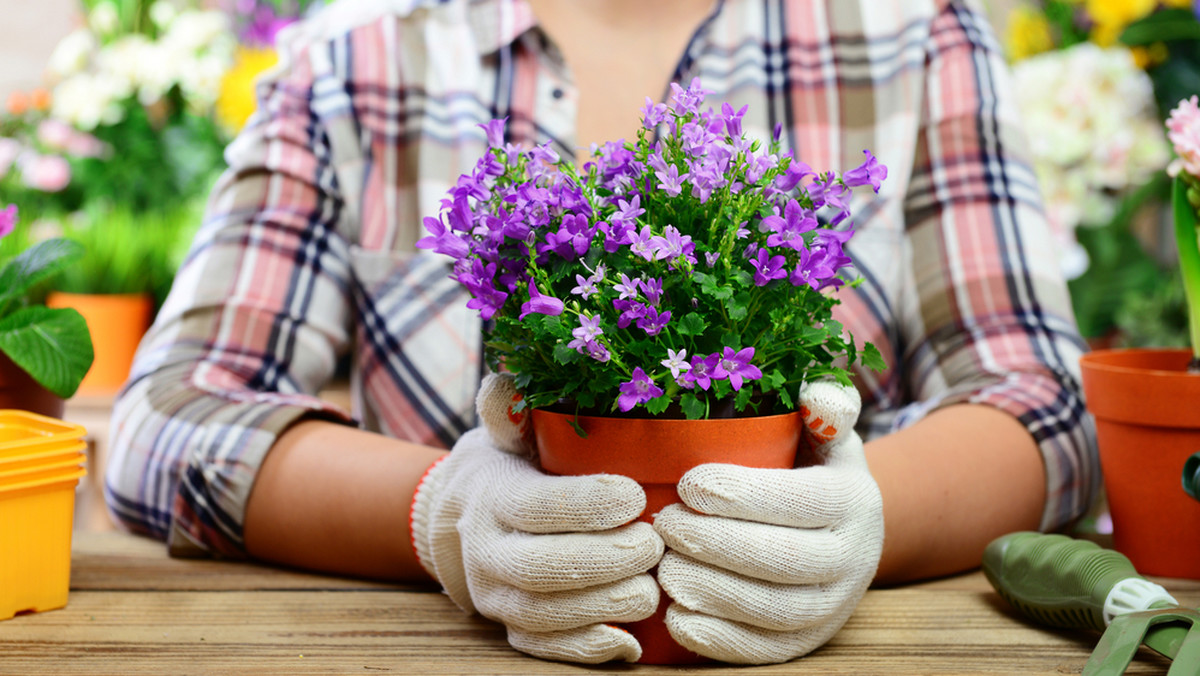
[44, 352]
[1145, 401]
[688, 275]
[661, 306]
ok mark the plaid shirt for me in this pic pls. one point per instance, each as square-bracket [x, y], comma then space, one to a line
[306, 254]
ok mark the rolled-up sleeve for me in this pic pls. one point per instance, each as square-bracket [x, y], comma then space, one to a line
[989, 320]
[251, 330]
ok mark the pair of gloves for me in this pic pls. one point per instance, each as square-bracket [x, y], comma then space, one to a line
[761, 565]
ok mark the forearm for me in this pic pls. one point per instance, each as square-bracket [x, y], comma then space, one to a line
[336, 499]
[950, 484]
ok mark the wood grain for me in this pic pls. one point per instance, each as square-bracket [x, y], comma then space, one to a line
[132, 610]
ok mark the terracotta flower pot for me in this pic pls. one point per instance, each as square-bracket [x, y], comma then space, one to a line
[1147, 410]
[18, 390]
[656, 453]
[117, 323]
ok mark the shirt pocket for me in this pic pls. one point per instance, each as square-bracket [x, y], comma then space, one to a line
[417, 351]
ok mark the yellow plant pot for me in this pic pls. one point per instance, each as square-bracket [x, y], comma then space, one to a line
[41, 462]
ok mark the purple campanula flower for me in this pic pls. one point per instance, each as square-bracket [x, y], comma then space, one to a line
[813, 269]
[616, 234]
[732, 119]
[670, 181]
[441, 240]
[701, 371]
[642, 244]
[789, 230]
[626, 288]
[793, 175]
[585, 337]
[688, 100]
[639, 390]
[870, 172]
[652, 288]
[736, 367]
[629, 211]
[630, 310]
[768, 267]
[676, 362]
[597, 351]
[512, 152]
[652, 322]
[711, 257]
[540, 304]
[584, 287]
[653, 114]
[673, 244]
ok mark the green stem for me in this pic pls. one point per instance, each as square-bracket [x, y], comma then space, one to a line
[1189, 260]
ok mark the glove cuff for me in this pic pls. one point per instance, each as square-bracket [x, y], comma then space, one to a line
[419, 516]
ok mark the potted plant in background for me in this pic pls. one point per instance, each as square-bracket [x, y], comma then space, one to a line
[44, 352]
[673, 295]
[129, 263]
[1147, 401]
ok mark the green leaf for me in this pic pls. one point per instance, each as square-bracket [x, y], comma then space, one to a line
[574, 422]
[871, 358]
[1189, 258]
[34, 265]
[565, 355]
[51, 345]
[692, 324]
[658, 404]
[710, 287]
[738, 306]
[743, 397]
[692, 407]
[1165, 25]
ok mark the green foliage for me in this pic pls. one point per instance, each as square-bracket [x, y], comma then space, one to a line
[52, 345]
[128, 251]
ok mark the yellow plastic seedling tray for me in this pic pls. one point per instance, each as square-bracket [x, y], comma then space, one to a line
[24, 432]
[53, 454]
[56, 466]
[35, 544]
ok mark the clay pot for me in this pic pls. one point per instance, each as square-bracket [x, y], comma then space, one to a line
[656, 453]
[117, 323]
[18, 390]
[1147, 410]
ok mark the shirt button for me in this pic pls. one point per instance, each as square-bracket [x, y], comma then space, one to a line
[558, 93]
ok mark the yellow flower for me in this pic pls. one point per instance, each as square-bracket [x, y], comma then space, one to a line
[1112, 16]
[1027, 33]
[237, 98]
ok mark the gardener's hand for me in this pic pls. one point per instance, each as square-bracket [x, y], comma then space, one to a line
[765, 565]
[552, 558]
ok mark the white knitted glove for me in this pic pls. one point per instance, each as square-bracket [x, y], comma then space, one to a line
[553, 558]
[768, 564]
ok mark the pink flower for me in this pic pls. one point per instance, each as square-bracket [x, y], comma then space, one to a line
[48, 173]
[9, 150]
[1183, 128]
[62, 136]
[8, 220]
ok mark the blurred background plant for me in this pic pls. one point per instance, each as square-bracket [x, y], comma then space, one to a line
[1096, 78]
[121, 145]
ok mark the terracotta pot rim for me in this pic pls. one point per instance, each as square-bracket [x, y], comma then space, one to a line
[1109, 360]
[764, 418]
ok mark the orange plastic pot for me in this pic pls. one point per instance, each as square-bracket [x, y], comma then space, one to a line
[656, 453]
[18, 390]
[1147, 410]
[117, 323]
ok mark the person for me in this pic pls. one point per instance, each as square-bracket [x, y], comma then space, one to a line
[222, 447]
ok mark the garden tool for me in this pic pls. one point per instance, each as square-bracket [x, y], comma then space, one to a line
[1075, 584]
[1191, 475]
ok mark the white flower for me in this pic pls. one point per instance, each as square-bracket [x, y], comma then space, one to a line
[88, 101]
[72, 53]
[162, 13]
[195, 30]
[104, 18]
[1093, 131]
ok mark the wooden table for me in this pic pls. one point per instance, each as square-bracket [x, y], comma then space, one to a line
[133, 610]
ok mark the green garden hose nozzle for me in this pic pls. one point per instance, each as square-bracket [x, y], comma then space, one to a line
[1062, 582]
[1191, 475]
